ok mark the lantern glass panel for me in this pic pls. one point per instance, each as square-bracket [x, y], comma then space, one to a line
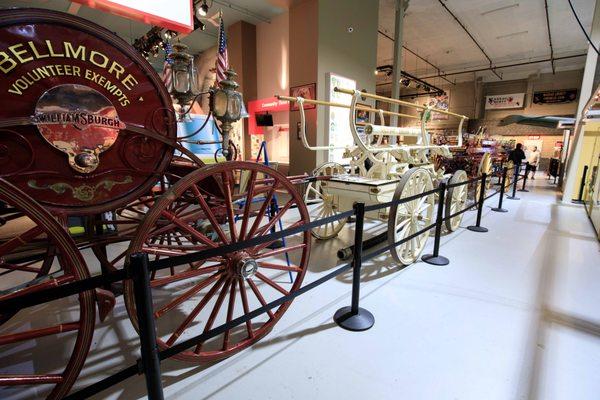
[194, 86]
[181, 81]
[220, 103]
[235, 106]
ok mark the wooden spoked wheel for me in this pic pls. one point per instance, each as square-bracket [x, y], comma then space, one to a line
[456, 198]
[485, 166]
[324, 204]
[59, 332]
[118, 228]
[216, 205]
[407, 219]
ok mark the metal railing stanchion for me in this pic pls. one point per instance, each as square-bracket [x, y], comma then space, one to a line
[355, 318]
[435, 258]
[477, 227]
[525, 178]
[150, 362]
[502, 187]
[514, 183]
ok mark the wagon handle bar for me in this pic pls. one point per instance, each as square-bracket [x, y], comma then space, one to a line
[400, 102]
[424, 137]
[359, 107]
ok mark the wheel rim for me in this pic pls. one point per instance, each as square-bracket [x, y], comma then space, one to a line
[409, 218]
[485, 166]
[327, 204]
[69, 335]
[456, 200]
[199, 297]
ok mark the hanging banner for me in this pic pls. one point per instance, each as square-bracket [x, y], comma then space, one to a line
[504, 101]
[441, 102]
[555, 96]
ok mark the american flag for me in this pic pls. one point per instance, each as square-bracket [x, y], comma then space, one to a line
[222, 63]
[166, 73]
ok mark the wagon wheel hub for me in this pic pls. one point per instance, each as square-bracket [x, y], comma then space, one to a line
[243, 265]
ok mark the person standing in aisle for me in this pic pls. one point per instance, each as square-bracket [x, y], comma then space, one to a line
[517, 155]
[533, 159]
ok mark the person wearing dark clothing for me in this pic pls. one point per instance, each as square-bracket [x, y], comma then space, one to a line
[517, 155]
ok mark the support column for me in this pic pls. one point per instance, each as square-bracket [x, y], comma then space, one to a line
[573, 170]
[398, 28]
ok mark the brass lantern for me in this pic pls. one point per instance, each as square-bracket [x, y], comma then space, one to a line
[184, 87]
[226, 105]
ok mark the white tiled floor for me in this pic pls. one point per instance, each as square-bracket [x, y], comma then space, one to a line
[514, 316]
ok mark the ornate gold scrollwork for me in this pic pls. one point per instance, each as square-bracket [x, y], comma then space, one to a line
[83, 192]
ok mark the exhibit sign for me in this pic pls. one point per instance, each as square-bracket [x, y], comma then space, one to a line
[337, 118]
[442, 102]
[504, 101]
[555, 96]
[176, 15]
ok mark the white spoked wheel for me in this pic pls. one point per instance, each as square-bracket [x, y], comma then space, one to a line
[456, 198]
[323, 204]
[485, 166]
[407, 219]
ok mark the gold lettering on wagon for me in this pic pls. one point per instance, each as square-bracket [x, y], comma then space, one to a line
[84, 192]
[117, 81]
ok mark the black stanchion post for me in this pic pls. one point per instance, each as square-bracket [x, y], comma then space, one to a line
[150, 362]
[514, 183]
[477, 227]
[355, 318]
[435, 258]
[579, 199]
[525, 178]
[502, 186]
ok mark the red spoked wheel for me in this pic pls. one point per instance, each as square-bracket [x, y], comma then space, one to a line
[216, 205]
[118, 228]
[59, 332]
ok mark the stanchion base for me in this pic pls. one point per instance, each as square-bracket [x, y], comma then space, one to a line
[513, 198]
[499, 209]
[522, 190]
[435, 260]
[361, 321]
[475, 228]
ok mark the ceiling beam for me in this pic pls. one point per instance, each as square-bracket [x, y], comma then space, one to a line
[469, 71]
[549, 38]
[471, 36]
[415, 54]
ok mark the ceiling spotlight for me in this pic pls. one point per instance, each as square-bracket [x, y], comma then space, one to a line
[202, 11]
[427, 89]
[405, 82]
[419, 86]
[376, 72]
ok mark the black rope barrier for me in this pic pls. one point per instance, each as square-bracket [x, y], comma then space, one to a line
[138, 269]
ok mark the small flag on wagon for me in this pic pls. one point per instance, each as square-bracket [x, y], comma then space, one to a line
[222, 62]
